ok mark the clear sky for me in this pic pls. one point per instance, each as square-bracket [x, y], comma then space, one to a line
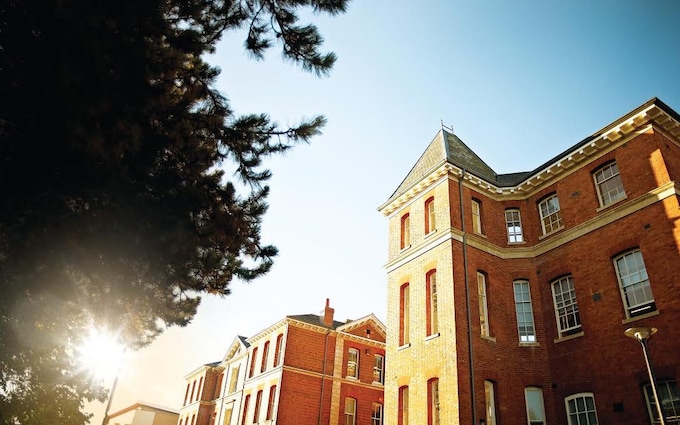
[519, 81]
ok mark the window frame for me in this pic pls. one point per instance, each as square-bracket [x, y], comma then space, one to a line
[490, 402]
[377, 414]
[511, 222]
[476, 210]
[430, 217]
[258, 404]
[640, 308]
[663, 388]
[433, 402]
[233, 378]
[604, 193]
[246, 402]
[553, 218]
[405, 233]
[574, 397]
[539, 391]
[567, 309]
[253, 361]
[350, 416]
[525, 337]
[432, 309]
[379, 368]
[403, 404]
[265, 357]
[270, 403]
[278, 352]
[483, 305]
[404, 314]
[352, 363]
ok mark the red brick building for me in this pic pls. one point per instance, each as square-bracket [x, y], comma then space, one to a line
[304, 369]
[509, 294]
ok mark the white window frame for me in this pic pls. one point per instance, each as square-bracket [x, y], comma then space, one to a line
[430, 218]
[483, 305]
[670, 401]
[566, 306]
[377, 414]
[524, 311]
[379, 369]
[533, 398]
[490, 402]
[350, 411]
[631, 273]
[575, 416]
[513, 225]
[608, 184]
[431, 279]
[551, 217]
[353, 363]
[476, 207]
[405, 228]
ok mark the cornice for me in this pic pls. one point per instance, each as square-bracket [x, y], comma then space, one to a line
[608, 139]
[560, 238]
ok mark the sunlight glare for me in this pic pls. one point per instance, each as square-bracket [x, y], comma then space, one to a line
[101, 354]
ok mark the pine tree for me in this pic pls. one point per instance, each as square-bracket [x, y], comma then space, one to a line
[114, 208]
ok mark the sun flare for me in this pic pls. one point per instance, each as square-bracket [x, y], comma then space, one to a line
[101, 354]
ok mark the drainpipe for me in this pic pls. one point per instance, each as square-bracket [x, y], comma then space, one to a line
[473, 400]
[323, 376]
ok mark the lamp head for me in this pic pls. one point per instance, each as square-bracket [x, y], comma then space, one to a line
[641, 334]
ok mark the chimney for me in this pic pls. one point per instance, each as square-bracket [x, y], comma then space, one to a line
[327, 318]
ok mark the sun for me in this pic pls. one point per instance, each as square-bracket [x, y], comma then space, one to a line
[101, 354]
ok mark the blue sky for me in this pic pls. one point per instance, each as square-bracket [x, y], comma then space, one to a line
[519, 82]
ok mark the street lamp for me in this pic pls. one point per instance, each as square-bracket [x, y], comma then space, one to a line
[643, 334]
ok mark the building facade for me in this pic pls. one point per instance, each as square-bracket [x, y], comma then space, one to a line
[142, 413]
[509, 294]
[304, 369]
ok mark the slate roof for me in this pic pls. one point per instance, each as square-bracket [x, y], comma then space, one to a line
[447, 147]
[314, 319]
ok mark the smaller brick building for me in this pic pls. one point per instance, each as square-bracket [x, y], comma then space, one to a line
[304, 369]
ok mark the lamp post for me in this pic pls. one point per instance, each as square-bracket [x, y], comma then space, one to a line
[105, 420]
[642, 334]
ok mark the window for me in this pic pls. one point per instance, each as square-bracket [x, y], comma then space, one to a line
[514, 225]
[634, 284]
[265, 354]
[350, 411]
[581, 409]
[405, 241]
[608, 184]
[566, 308]
[186, 394]
[377, 414]
[218, 386]
[277, 351]
[246, 401]
[379, 369]
[433, 402]
[525, 312]
[429, 216]
[234, 379]
[227, 416]
[476, 217]
[432, 315]
[403, 406]
[670, 402]
[551, 218]
[270, 404]
[200, 388]
[483, 307]
[404, 320]
[353, 363]
[193, 390]
[490, 402]
[258, 402]
[252, 363]
[535, 409]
